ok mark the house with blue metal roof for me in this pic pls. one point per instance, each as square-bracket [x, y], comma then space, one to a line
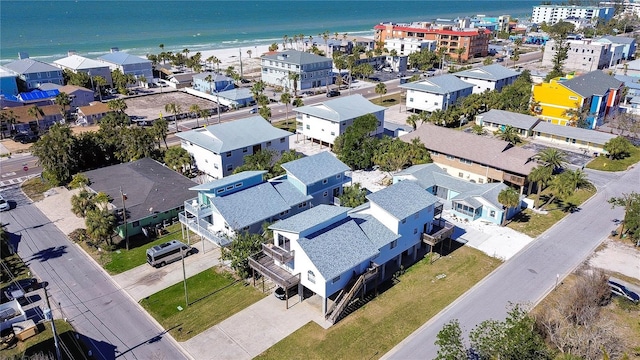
[33, 73]
[313, 71]
[128, 64]
[488, 78]
[323, 122]
[338, 252]
[245, 201]
[218, 149]
[466, 200]
[436, 93]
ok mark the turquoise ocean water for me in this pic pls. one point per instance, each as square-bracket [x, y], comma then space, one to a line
[48, 29]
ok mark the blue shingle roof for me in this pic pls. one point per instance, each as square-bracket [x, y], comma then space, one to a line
[378, 234]
[340, 109]
[234, 135]
[339, 249]
[315, 216]
[291, 195]
[250, 206]
[402, 199]
[443, 84]
[314, 168]
[231, 179]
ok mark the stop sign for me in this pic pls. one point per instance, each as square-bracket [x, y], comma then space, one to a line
[25, 168]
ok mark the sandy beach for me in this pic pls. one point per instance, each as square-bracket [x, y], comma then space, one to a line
[231, 57]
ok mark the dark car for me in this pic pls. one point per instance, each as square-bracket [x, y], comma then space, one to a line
[280, 293]
[333, 93]
[24, 285]
[621, 290]
[28, 139]
[19, 137]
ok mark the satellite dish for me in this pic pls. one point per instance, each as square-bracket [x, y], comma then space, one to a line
[150, 209]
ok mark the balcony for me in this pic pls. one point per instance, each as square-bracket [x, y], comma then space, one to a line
[440, 231]
[265, 265]
[277, 253]
[195, 208]
[201, 228]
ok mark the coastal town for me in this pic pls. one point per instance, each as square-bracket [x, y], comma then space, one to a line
[459, 188]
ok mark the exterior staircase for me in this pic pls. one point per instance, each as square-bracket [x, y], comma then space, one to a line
[346, 295]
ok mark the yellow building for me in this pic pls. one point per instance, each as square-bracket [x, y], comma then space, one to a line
[553, 100]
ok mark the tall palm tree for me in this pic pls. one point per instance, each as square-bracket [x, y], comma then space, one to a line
[459, 52]
[294, 77]
[161, 46]
[285, 38]
[7, 118]
[159, 130]
[553, 158]
[413, 120]
[285, 98]
[508, 133]
[36, 112]
[381, 89]
[100, 82]
[249, 52]
[509, 198]
[63, 100]
[561, 186]
[118, 105]
[325, 37]
[196, 111]
[541, 175]
[82, 202]
[175, 109]
[577, 178]
[100, 224]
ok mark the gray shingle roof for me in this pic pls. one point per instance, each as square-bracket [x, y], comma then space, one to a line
[593, 83]
[234, 135]
[314, 168]
[492, 72]
[443, 84]
[296, 57]
[632, 82]
[315, 216]
[378, 234]
[231, 179]
[592, 136]
[29, 66]
[339, 249]
[402, 199]
[122, 58]
[482, 150]
[250, 206]
[147, 183]
[340, 109]
[487, 192]
[290, 194]
[502, 117]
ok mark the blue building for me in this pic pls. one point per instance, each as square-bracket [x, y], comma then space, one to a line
[8, 82]
[217, 83]
[33, 73]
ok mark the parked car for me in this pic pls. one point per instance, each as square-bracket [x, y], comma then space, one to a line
[253, 111]
[4, 204]
[332, 93]
[621, 290]
[280, 293]
[26, 138]
[20, 287]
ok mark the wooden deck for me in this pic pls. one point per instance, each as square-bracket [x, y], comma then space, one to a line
[266, 266]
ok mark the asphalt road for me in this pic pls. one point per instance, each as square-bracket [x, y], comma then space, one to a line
[531, 274]
[112, 324]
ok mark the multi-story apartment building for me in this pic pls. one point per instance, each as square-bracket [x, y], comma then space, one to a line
[128, 64]
[311, 70]
[80, 64]
[552, 14]
[474, 42]
[583, 55]
[33, 73]
[409, 46]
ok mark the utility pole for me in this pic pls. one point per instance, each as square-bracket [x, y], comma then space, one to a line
[48, 313]
[124, 217]
[240, 63]
[184, 276]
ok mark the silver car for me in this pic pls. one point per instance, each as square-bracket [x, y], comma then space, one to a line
[4, 204]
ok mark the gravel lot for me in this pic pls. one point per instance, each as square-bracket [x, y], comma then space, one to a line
[150, 107]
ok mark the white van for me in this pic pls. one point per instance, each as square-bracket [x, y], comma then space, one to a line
[165, 253]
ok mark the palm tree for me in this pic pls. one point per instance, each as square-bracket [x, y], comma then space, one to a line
[175, 109]
[459, 52]
[577, 178]
[294, 77]
[100, 82]
[561, 186]
[381, 89]
[186, 53]
[36, 112]
[413, 120]
[160, 129]
[177, 158]
[63, 100]
[285, 38]
[214, 60]
[325, 37]
[297, 102]
[161, 46]
[118, 105]
[249, 52]
[541, 175]
[508, 133]
[195, 110]
[285, 98]
[100, 224]
[509, 198]
[7, 118]
[82, 202]
[553, 158]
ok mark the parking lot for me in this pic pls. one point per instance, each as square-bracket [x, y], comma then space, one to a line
[150, 107]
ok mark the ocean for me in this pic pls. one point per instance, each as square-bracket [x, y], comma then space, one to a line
[47, 30]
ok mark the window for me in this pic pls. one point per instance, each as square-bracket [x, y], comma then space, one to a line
[465, 161]
[135, 224]
[229, 167]
[230, 187]
[282, 141]
[335, 279]
[244, 150]
[325, 194]
[415, 231]
[220, 191]
[308, 127]
[284, 213]
[481, 180]
[238, 185]
[215, 166]
[394, 243]
[333, 133]
[325, 181]
[460, 174]
[338, 176]
[404, 221]
[492, 213]
[450, 157]
[311, 277]
[268, 143]
[228, 154]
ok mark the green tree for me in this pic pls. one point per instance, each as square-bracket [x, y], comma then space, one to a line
[450, 343]
[509, 198]
[487, 61]
[260, 160]
[118, 105]
[36, 112]
[82, 203]
[285, 98]
[561, 186]
[56, 152]
[618, 148]
[293, 80]
[478, 129]
[413, 120]
[135, 143]
[391, 154]
[353, 196]
[631, 204]
[100, 224]
[508, 133]
[355, 147]
[177, 158]
[195, 110]
[562, 51]
[79, 180]
[175, 109]
[63, 100]
[541, 175]
[286, 157]
[243, 245]
[381, 89]
[100, 82]
[553, 158]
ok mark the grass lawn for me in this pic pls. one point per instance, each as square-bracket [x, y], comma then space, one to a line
[121, 260]
[375, 328]
[43, 343]
[387, 100]
[214, 295]
[34, 188]
[533, 223]
[605, 164]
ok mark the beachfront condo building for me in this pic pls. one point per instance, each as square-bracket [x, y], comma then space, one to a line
[552, 14]
[80, 64]
[471, 42]
[33, 73]
[296, 70]
[129, 64]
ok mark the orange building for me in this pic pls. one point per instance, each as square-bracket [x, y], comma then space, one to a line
[475, 42]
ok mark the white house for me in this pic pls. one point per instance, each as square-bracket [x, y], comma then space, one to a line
[312, 70]
[218, 149]
[323, 122]
[406, 46]
[80, 64]
[128, 64]
[490, 77]
[436, 93]
[338, 252]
